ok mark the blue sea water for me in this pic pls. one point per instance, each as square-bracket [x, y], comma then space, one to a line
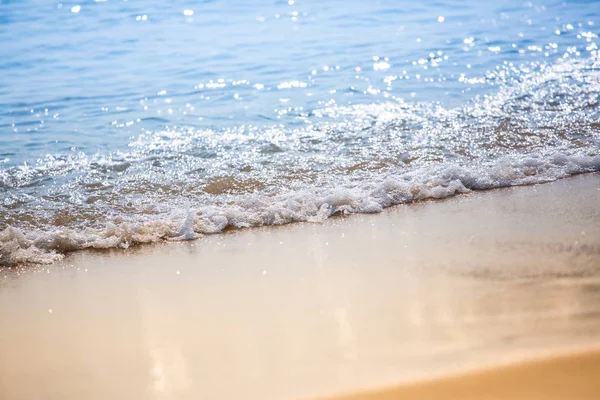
[129, 121]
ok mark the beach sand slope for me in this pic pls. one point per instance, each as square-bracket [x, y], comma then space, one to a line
[420, 291]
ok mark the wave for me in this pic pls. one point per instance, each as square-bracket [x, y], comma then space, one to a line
[179, 184]
[438, 182]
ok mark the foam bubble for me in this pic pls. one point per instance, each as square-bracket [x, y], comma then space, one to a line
[431, 182]
[180, 184]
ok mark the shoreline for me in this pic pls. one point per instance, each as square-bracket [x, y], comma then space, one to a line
[22, 247]
[419, 291]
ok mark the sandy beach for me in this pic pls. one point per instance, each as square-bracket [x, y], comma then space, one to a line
[418, 293]
[572, 376]
[299, 200]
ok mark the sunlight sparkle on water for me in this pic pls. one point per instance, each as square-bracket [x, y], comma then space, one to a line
[247, 121]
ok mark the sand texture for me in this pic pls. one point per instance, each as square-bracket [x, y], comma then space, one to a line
[357, 303]
[573, 376]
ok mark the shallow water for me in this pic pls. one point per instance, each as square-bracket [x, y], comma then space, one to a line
[124, 122]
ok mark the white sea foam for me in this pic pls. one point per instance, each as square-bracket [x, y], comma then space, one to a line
[430, 182]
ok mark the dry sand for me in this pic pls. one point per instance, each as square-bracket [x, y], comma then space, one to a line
[310, 310]
[574, 376]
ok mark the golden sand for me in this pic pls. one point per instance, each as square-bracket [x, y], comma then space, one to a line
[573, 376]
[309, 310]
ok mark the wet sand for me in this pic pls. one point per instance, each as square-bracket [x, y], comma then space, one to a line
[309, 310]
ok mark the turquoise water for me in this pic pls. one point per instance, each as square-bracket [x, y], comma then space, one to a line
[125, 122]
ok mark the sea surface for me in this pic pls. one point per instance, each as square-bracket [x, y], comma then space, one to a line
[129, 121]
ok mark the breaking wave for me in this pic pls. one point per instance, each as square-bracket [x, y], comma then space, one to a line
[179, 184]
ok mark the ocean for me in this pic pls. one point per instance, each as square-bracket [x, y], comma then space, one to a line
[127, 122]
